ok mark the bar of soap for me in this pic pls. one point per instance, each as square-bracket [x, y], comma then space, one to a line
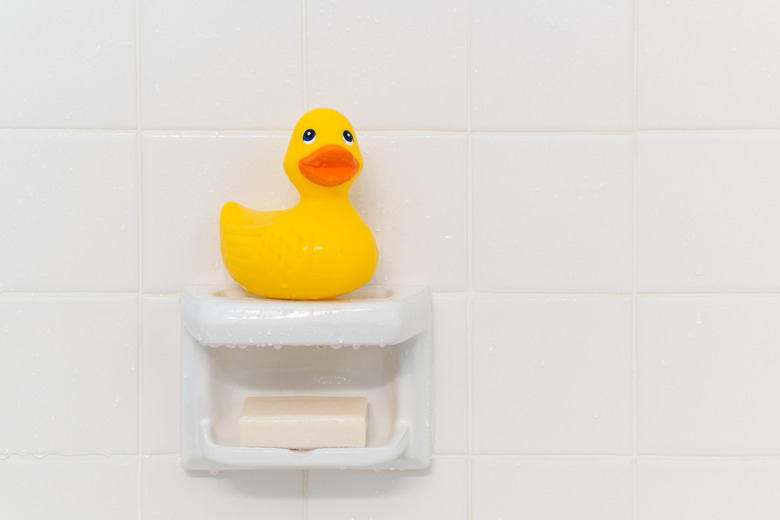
[303, 422]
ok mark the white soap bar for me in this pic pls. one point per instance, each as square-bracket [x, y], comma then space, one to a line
[303, 423]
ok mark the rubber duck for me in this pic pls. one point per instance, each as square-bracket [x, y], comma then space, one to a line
[318, 249]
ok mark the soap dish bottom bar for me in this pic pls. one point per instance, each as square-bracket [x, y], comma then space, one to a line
[303, 422]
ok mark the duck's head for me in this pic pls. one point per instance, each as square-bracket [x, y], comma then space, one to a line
[323, 153]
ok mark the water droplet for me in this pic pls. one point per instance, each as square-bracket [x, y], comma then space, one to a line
[699, 318]
[330, 380]
[543, 363]
[596, 413]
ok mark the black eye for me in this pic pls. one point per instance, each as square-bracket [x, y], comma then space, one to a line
[348, 137]
[309, 135]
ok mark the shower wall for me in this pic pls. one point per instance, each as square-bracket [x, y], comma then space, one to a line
[589, 188]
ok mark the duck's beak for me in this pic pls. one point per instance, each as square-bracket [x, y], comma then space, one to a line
[329, 166]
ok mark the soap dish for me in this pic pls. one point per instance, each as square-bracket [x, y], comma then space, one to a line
[374, 342]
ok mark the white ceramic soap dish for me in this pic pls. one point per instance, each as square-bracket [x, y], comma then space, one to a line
[375, 343]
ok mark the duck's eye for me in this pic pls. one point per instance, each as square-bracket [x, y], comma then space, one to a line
[309, 135]
[348, 137]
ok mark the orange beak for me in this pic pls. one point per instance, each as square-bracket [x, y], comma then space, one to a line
[329, 166]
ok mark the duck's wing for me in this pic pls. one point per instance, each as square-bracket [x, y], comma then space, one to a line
[235, 218]
[253, 245]
[241, 229]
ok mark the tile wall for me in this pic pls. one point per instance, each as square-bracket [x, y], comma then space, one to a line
[590, 188]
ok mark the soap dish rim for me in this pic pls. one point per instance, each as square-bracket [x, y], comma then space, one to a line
[239, 457]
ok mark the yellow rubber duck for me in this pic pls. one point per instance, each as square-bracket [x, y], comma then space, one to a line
[320, 248]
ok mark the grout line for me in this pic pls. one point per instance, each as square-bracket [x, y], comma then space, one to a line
[468, 293]
[139, 238]
[422, 132]
[67, 294]
[469, 270]
[259, 132]
[25, 455]
[69, 457]
[286, 131]
[304, 103]
[544, 295]
[634, 263]
[304, 60]
[542, 456]
[627, 458]
[643, 294]
[687, 131]
[477, 295]
[59, 131]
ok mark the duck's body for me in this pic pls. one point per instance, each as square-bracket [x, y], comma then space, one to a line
[319, 249]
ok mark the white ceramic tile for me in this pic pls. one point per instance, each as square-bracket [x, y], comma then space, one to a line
[413, 195]
[399, 65]
[438, 492]
[450, 408]
[161, 377]
[69, 488]
[707, 208]
[707, 375]
[169, 492]
[552, 214]
[68, 65]
[715, 489]
[506, 488]
[68, 207]
[554, 65]
[209, 64]
[708, 66]
[551, 376]
[68, 377]
[186, 181]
